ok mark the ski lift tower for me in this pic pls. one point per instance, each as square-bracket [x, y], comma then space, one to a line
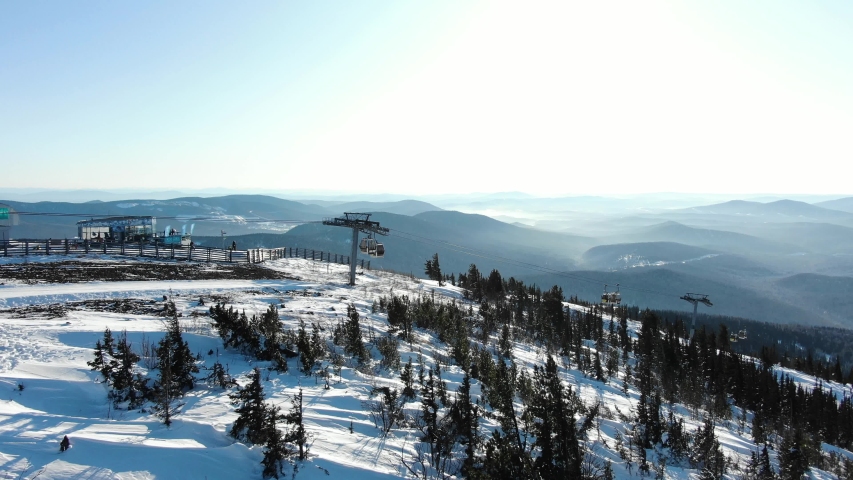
[358, 222]
[695, 299]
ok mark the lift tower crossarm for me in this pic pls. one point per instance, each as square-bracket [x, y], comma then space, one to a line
[358, 222]
[695, 299]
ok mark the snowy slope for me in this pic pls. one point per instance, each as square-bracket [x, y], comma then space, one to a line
[61, 396]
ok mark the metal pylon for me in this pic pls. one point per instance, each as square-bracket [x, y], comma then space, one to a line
[695, 298]
[358, 222]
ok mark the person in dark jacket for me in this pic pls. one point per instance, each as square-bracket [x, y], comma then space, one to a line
[64, 444]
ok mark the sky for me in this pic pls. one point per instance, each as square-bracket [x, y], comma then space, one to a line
[548, 98]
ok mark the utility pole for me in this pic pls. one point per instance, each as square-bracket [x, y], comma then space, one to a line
[358, 222]
[695, 298]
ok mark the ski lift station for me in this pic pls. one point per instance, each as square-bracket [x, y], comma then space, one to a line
[130, 230]
[5, 221]
[118, 229]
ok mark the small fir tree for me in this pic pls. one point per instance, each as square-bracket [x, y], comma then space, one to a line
[251, 410]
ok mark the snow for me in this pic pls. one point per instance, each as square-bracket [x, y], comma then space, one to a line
[62, 396]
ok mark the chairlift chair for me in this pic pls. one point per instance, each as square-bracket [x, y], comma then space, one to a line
[370, 246]
[742, 334]
[616, 297]
[605, 297]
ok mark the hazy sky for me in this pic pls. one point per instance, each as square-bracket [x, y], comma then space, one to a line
[429, 97]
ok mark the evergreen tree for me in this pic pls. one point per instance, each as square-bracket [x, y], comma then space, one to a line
[706, 454]
[354, 345]
[275, 446]
[793, 460]
[125, 385]
[270, 336]
[507, 455]
[297, 435]
[225, 322]
[677, 439]
[318, 345]
[407, 376]
[399, 319]
[174, 350]
[429, 409]
[109, 343]
[554, 426]
[466, 422]
[218, 376]
[505, 343]
[765, 471]
[252, 412]
[101, 362]
[165, 405]
[388, 347]
[433, 270]
[306, 350]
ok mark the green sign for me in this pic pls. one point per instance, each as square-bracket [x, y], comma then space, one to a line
[4, 213]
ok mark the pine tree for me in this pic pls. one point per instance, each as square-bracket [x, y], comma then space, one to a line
[354, 345]
[270, 335]
[429, 409]
[407, 376]
[306, 352]
[124, 385]
[765, 471]
[706, 454]
[249, 426]
[275, 446]
[677, 440]
[318, 345]
[297, 435]
[225, 322]
[219, 377]
[101, 362]
[182, 362]
[507, 454]
[466, 422]
[399, 319]
[166, 407]
[440, 386]
[433, 270]
[109, 342]
[554, 426]
[505, 343]
[793, 461]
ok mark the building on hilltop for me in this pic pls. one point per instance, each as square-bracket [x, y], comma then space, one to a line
[118, 229]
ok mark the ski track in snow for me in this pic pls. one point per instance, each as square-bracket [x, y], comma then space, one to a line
[61, 396]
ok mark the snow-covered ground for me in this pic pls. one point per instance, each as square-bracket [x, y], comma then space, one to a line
[47, 390]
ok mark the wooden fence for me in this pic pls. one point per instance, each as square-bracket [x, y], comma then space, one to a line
[23, 248]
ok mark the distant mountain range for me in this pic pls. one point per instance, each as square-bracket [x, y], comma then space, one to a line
[780, 210]
[783, 261]
[236, 214]
[842, 204]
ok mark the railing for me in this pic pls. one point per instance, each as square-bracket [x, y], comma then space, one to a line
[30, 247]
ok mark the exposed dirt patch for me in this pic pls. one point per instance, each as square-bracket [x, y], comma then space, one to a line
[134, 306]
[73, 272]
[54, 310]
